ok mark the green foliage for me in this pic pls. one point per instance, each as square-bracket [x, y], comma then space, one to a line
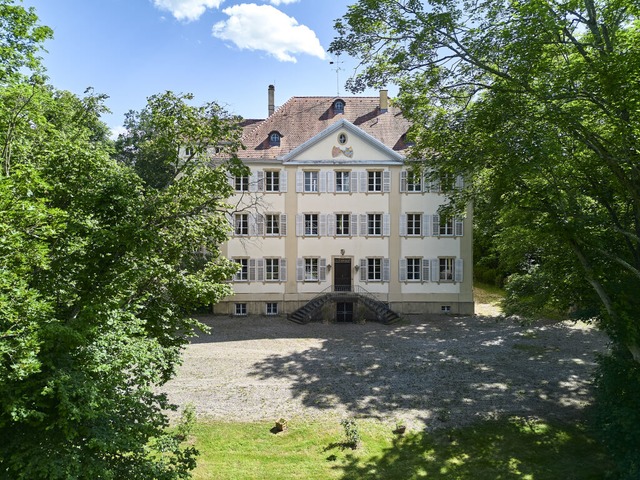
[533, 104]
[617, 410]
[351, 433]
[20, 41]
[98, 275]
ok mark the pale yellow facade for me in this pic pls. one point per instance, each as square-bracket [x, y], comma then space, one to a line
[338, 212]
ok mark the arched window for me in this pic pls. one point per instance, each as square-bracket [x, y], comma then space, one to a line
[338, 106]
[274, 139]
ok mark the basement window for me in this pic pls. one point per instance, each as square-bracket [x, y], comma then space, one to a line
[241, 309]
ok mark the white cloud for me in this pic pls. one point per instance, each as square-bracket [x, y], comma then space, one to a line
[263, 27]
[115, 131]
[188, 9]
[282, 2]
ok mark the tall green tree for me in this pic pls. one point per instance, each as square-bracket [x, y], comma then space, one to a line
[99, 275]
[537, 104]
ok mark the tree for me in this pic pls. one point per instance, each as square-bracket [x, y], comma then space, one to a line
[536, 104]
[99, 275]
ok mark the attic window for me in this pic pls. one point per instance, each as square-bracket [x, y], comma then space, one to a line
[338, 106]
[274, 139]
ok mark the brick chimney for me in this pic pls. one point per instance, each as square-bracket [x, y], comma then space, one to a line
[272, 99]
[384, 101]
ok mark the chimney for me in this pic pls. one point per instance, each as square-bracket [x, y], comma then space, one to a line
[384, 101]
[272, 99]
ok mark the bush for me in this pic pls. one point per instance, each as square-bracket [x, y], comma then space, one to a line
[617, 410]
[351, 433]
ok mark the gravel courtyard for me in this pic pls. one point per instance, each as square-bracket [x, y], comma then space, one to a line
[444, 371]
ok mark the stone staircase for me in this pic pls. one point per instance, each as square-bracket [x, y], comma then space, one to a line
[309, 310]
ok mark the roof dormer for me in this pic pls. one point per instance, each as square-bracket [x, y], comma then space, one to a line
[274, 139]
[338, 106]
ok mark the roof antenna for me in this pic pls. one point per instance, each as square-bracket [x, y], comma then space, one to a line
[337, 69]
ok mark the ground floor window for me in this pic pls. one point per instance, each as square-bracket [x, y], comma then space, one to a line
[241, 309]
[446, 269]
[272, 308]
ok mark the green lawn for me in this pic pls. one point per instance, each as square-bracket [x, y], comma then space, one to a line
[507, 449]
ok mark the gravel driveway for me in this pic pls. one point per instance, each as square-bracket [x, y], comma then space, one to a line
[443, 371]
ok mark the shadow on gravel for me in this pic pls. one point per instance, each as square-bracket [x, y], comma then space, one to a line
[444, 370]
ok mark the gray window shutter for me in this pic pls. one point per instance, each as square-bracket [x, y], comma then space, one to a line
[426, 225]
[435, 270]
[322, 269]
[260, 225]
[435, 221]
[435, 186]
[283, 269]
[322, 225]
[299, 182]
[331, 224]
[459, 227]
[260, 181]
[283, 180]
[253, 225]
[253, 182]
[252, 269]
[299, 225]
[403, 270]
[353, 225]
[386, 269]
[331, 182]
[386, 224]
[353, 177]
[322, 179]
[425, 270]
[459, 182]
[364, 225]
[403, 181]
[260, 270]
[300, 269]
[386, 181]
[403, 224]
[283, 225]
[363, 269]
[457, 274]
[363, 181]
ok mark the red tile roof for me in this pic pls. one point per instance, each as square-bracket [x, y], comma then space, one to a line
[302, 118]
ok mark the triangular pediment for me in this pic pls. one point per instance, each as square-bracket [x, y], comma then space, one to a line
[342, 142]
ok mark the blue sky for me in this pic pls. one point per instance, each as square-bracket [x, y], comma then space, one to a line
[222, 50]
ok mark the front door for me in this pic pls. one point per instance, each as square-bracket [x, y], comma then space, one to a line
[342, 274]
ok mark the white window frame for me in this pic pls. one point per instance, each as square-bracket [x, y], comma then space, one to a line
[240, 310]
[311, 269]
[242, 275]
[342, 181]
[311, 225]
[271, 269]
[272, 181]
[374, 181]
[241, 224]
[340, 224]
[374, 224]
[271, 308]
[241, 183]
[272, 226]
[414, 224]
[414, 272]
[311, 181]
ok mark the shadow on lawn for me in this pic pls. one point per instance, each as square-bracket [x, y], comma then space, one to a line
[506, 449]
[442, 372]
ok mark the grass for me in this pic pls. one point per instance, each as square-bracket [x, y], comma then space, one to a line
[505, 449]
[485, 293]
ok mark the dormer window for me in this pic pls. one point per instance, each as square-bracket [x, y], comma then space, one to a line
[338, 106]
[274, 139]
